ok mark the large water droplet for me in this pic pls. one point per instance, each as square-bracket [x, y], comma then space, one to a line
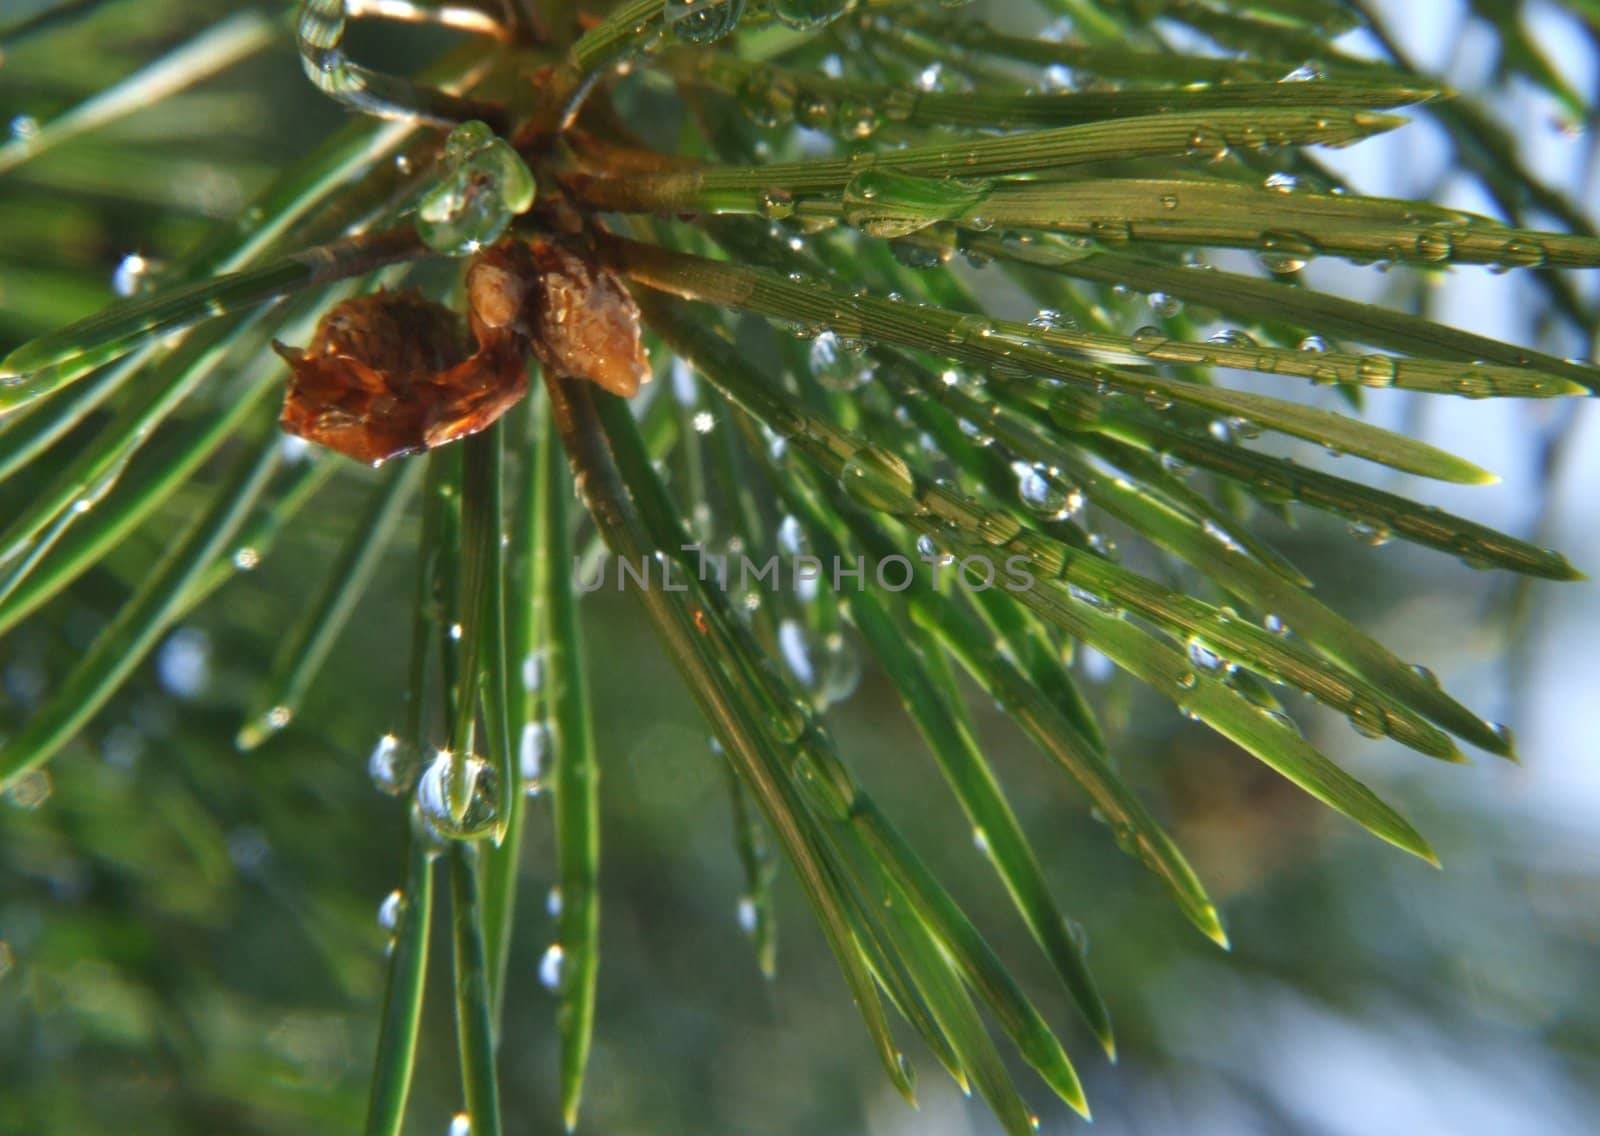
[807, 14]
[1368, 721]
[483, 183]
[701, 21]
[474, 781]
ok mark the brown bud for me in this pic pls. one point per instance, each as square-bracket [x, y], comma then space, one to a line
[585, 324]
[390, 374]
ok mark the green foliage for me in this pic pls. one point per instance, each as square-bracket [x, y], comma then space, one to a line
[836, 218]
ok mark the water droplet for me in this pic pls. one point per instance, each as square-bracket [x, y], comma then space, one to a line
[929, 551]
[552, 902]
[1472, 384]
[552, 967]
[1233, 337]
[1282, 719]
[483, 184]
[1093, 599]
[1275, 624]
[1375, 535]
[1164, 305]
[132, 274]
[1203, 657]
[533, 757]
[1314, 344]
[1148, 339]
[1523, 253]
[856, 118]
[834, 365]
[1285, 253]
[828, 668]
[776, 204]
[704, 422]
[1434, 246]
[701, 21]
[1157, 399]
[184, 663]
[392, 766]
[767, 98]
[246, 558]
[460, 1125]
[254, 733]
[474, 781]
[838, 667]
[1045, 494]
[1208, 143]
[879, 480]
[389, 910]
[807, 14]
[1367, 721]
[30, 790]
[1376, 370]
[1221, 535]
[1425, 675]
[533, 672]
[747, 915]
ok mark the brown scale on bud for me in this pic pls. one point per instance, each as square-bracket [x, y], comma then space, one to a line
[588, 325]
[393, 373]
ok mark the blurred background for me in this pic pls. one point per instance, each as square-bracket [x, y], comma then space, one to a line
[189, 940]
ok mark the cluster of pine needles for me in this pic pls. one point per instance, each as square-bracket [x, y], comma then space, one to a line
[820, 207]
